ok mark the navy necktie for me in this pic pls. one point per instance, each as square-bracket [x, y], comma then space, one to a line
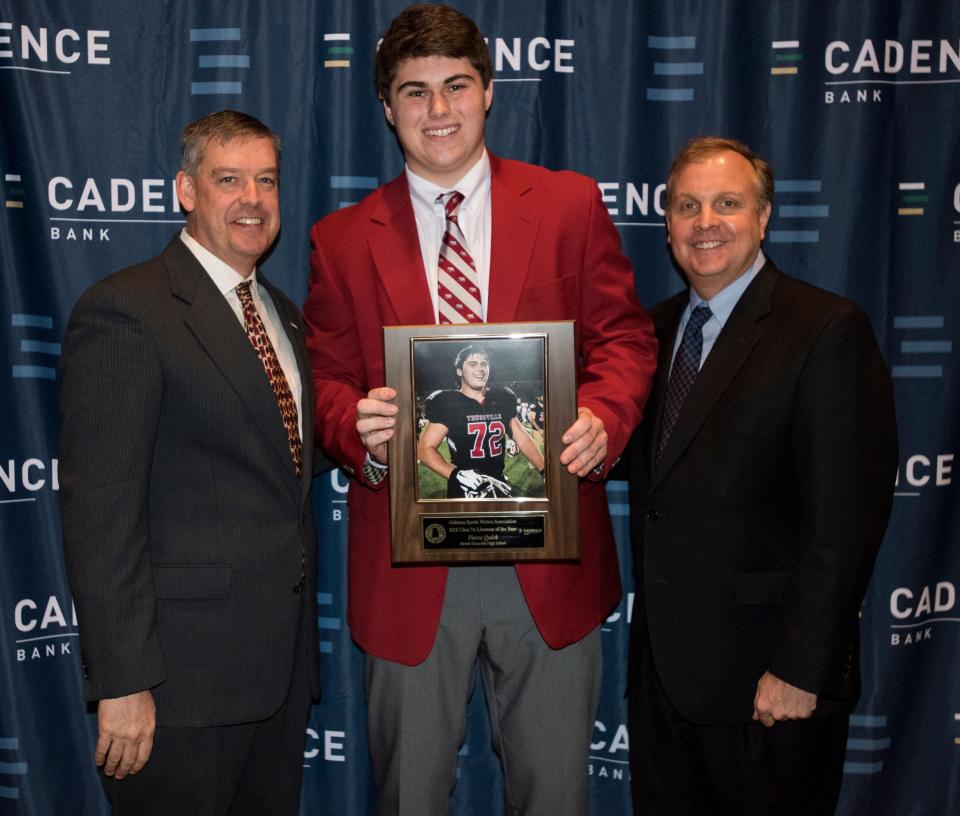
[686, 366]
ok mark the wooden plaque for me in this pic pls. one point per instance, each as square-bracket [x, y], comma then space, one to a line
[495, 426]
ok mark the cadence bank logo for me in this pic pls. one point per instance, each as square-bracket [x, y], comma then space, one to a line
[21, 478]
[45, 627]
[674, 72]
[919, 611]
[89, 209]
[862, 72]
[515, 59]
[35, 358]
[339, 486]
[867, 744]
[956, 216]
[350, 189]
[526, 59]
[47, 50]
[920, 472]
[634, 203]
[330, 626]
[922, 348]
[916, 200]
[324, 746]
[220, 67]
[610, 752]
[11, 767]
[12, 191]
[621, 615]
[799, 212]
[786, 57]
[912, 199]
[337, 50]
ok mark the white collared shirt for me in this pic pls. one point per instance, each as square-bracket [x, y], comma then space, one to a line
[226, 279]
[473, 215]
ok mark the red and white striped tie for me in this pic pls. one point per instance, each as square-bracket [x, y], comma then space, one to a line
[458, 284]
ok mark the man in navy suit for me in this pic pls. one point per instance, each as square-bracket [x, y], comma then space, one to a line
[761, 486]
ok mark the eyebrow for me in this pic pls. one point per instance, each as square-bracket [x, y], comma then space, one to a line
[681, 193]
[415, 83]
[272, 169]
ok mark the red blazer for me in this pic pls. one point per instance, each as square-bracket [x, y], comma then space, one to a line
[555, 255]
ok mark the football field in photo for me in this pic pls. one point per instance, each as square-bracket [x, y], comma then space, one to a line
[517, 472]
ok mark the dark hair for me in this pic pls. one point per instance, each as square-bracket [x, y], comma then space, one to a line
[427, 30]
[703, 147]
[224, 126]
[466, 352]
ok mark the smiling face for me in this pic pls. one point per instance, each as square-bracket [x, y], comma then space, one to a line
[474, 373]
[438, 106]
[715, 222]
[233, 200]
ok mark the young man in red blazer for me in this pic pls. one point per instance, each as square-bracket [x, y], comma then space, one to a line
[539, 246]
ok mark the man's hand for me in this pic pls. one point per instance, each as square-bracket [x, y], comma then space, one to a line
[376, 416]
[776, 700]
[586, 442]
[126, 727]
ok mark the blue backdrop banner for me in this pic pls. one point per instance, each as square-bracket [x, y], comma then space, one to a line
[855, 103]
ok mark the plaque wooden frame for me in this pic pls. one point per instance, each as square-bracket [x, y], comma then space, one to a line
[427, 528]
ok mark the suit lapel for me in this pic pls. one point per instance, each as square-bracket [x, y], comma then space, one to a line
[514, 228]
[737, 338]
[214, 324]
[395, 247]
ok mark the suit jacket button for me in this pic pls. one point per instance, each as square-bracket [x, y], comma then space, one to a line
[652, 515]
[298, 588]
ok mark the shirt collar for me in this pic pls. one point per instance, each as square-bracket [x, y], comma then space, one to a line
[224, 276]
[722, 303]
[474, 185]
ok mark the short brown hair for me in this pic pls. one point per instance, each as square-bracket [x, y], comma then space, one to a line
[427, 30]
[224, 126]
[703, 147]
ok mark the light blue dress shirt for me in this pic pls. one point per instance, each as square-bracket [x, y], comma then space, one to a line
[721, 305]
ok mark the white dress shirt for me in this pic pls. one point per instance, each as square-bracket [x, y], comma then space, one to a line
[473, 216]
[226, 279]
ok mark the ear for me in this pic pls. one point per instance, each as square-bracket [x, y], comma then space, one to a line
[488, 95]
[668, 228]
[387, 112]
[764, 218]
[186, 191]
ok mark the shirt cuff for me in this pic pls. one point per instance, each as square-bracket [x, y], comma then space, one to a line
[374, 472]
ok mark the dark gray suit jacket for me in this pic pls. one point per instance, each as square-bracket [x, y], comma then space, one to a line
[185, 527]
[755, 536]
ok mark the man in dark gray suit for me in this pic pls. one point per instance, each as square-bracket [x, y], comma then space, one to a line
[186, 455]
[761, 486]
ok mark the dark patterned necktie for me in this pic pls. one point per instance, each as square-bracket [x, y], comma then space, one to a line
[686, 366]
[268, 357]
[458, 284]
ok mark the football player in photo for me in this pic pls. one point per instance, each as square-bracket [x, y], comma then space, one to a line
[477, 421]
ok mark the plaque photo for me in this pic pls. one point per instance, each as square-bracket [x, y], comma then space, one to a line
[475, 460]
